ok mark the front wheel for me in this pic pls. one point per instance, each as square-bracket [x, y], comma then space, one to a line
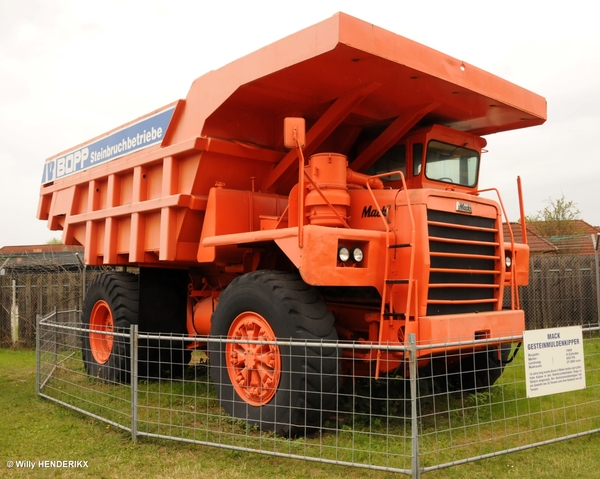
[479, 371]
[487, 367]
[279, 387]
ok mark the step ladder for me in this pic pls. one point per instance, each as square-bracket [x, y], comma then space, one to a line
[388, 309]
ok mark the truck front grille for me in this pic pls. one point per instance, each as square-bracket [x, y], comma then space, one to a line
[465, 262]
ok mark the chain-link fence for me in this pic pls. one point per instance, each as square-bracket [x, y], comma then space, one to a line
[25, 293]
[562, 291]
[408, 422]
[34, 284]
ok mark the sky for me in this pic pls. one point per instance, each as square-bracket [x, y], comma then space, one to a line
[71, 70]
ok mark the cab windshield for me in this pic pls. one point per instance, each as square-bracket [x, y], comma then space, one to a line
[451, 164]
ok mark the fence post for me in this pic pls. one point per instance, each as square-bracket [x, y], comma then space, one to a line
[37, 355]
[596, 240]
[133, 347]
[83, 268]
[412, 362]
[14, 315]
[55, 336]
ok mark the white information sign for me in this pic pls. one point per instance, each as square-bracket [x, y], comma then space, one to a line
[554, 360]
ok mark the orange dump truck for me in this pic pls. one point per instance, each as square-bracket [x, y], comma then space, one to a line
[324, 187]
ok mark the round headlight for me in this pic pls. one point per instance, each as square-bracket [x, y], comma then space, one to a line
[508, 261]
[344, 254]
[357, 255]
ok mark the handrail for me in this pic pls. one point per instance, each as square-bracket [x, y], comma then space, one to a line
[387, 259]
[300, 191]
[514, 291]
[282, 216]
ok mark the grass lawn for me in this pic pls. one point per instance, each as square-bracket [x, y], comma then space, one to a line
[34, 429]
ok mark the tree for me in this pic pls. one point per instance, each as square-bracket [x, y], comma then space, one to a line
[54, 241]
[557, 219]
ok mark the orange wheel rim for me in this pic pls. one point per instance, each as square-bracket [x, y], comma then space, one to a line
[101, 320]
[254, 369]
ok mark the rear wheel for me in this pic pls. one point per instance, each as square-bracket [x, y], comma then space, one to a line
[278, 387]
[110, 306]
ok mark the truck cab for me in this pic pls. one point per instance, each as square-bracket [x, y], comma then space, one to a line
[435, 157]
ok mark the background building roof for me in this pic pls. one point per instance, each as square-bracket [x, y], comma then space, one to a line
[578, 241]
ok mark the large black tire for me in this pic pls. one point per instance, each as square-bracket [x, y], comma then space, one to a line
[162, 309]
[111, 303]
[117, 295]
[168, 358]
[307, 386]
[480, 371]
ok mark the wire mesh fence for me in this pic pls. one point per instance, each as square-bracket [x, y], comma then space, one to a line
[468, 404]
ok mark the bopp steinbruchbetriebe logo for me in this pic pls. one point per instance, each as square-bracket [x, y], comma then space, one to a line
[142, 134]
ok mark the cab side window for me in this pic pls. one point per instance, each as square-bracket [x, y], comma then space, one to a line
[392, 160]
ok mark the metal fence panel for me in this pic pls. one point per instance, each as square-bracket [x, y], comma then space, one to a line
[62, 376]
[426, 421]
[460, 427]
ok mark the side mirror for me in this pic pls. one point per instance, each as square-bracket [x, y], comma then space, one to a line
[294, 129]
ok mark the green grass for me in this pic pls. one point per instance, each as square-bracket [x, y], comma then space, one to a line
[36, 429]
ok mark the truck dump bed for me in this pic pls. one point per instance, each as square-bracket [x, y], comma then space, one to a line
[138, 194]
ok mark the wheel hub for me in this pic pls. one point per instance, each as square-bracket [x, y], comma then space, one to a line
[101, 320]
[254, 368]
